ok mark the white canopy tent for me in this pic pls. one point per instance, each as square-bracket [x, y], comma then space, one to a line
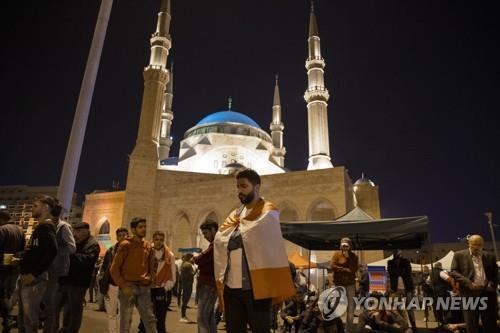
[445, 261]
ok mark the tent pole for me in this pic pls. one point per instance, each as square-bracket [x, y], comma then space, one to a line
[309, 274]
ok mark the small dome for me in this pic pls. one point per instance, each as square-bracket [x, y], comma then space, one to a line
[228, 116]
[364, 181]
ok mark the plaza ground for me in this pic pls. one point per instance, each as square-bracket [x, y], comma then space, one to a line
[96, 321]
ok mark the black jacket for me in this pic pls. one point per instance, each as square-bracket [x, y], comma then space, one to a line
[105, 278]
[11, 239]
[40, 251]
[82, 263]
[400, 268]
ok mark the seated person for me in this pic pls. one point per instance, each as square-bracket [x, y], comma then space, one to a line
[291, 313]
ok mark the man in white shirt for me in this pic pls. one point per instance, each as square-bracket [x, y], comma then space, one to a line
[477, 273]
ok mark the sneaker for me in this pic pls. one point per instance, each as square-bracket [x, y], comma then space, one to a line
[184, 320]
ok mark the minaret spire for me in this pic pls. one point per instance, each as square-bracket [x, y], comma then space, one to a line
[316, 97]
[313, 24]
[160, 40]
[155, 101]
[277, 127]
[167, 115]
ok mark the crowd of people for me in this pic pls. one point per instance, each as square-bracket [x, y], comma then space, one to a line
[47, 276]
[243, 278]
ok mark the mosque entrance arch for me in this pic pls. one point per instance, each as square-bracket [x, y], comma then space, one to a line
[103, 233]
[321, 210]
[181, 234]
[288, 213]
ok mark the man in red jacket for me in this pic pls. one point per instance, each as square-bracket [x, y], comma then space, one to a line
[206, 291]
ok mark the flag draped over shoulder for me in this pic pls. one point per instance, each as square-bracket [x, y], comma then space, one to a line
[265, 253]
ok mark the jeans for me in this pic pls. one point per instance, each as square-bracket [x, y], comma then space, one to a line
[73, 298]
[207, 296]
[351, 293]
[141, 299]
[52, 302]
[31, 298]
[240, 309]
[187, 290]
[159, 300]
[112, 309]
[8, 278]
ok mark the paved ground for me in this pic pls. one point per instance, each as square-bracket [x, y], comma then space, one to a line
[96, 322]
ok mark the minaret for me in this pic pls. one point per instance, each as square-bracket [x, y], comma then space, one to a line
[167, 116]
[144, 160]
[155, 79]
[277, 127]
[316, 97]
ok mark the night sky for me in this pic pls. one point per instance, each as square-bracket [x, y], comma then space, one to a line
[414, 88]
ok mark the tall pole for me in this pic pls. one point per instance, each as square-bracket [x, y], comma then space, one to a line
[489, 215]
[74, 149]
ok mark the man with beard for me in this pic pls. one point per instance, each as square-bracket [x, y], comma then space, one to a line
[39, 254]
[250, 262]
[132, 270]
[58, 269]
[74, 286]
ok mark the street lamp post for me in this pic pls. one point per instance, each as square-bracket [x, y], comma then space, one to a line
[489, 215]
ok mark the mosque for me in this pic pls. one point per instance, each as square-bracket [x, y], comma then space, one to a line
[176, 194]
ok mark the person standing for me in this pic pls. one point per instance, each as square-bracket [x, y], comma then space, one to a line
[250, 261]
[206, 289]
[132, 270]
[364, 281]
[11, 247]
[400, 267]
[476, 272]
[164, 279]
[187, 273]
[74, 286]
[59, 268]
[107, 286]
[441, 286]
[344, 265]
[40, 251]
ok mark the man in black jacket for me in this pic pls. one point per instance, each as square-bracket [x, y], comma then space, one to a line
[11, 246]
[400, 267]
[477, 274]
[39, 254]
[75, 285]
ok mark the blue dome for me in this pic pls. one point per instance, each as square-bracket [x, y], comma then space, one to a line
[228, 117]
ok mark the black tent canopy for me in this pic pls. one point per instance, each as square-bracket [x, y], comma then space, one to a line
[382, 234]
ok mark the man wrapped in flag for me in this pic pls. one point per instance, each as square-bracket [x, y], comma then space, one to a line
[250, 263]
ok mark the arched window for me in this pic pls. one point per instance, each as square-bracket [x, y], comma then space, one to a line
[181, 234]
[322, 210]
[105, 228]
